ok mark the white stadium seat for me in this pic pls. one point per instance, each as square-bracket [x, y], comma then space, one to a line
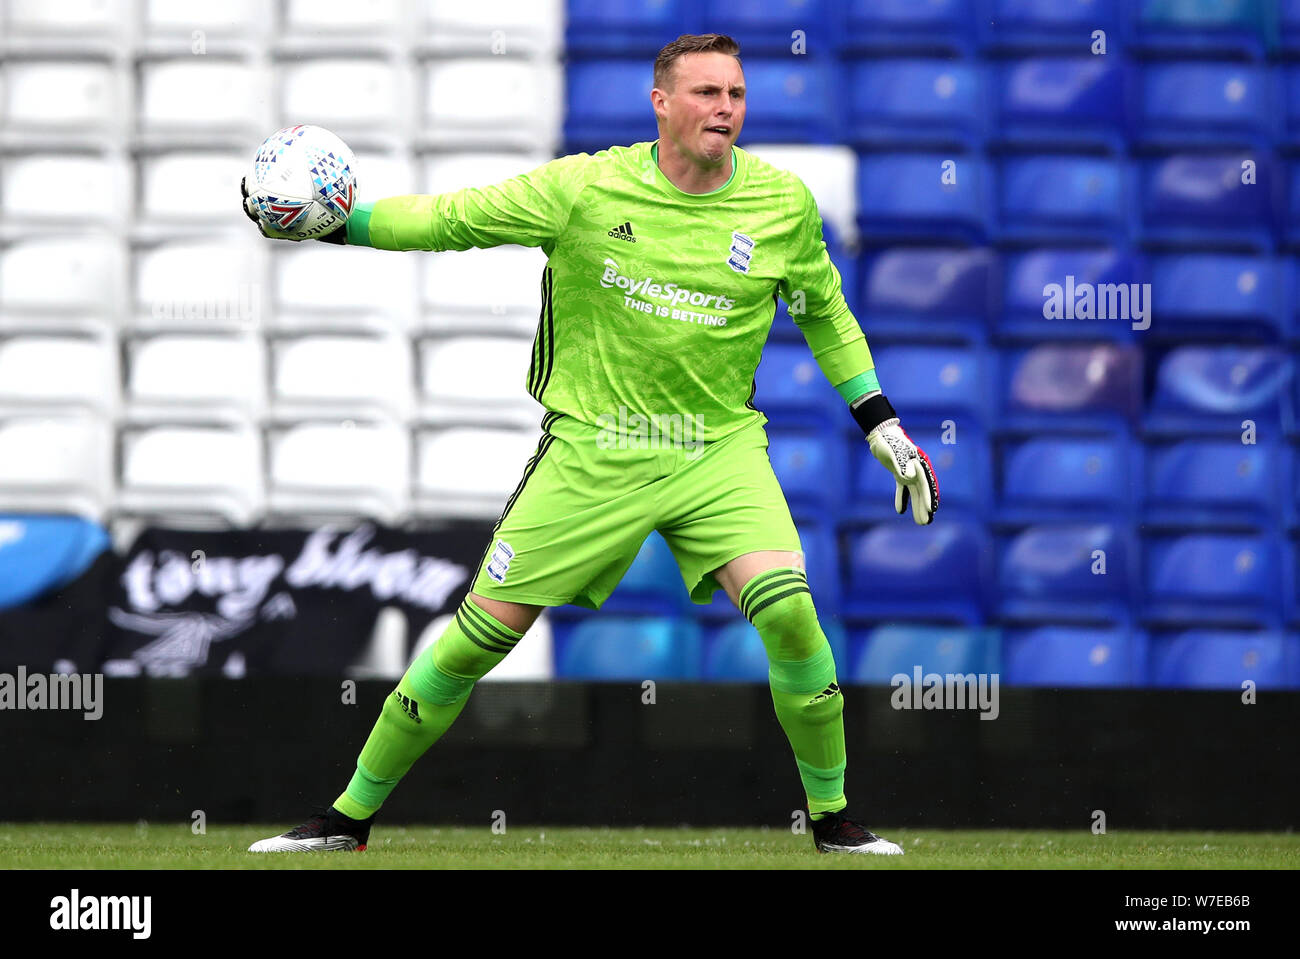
[830, 172]
[63, 274]
[345, 15]
[230, 17]
[59, 371]
[322, 276]
[478, 379]
[366, 374]
[50, 186]
[203, 94]
[382, 174]
[56, 465]
[199, 285]
[185, 185]
[493, 101]
[470, 472]
[348, 469]
[340, 93]
[445, 172]
[182, 471]
[71, 16]
[201, 377]
[62, 95]
[500, 27]
[497, 288]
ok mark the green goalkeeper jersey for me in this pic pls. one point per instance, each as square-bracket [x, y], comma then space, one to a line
[654, 301]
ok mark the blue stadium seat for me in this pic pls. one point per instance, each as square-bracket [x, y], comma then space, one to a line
[811, 468]
[1293, 208]
[1068, 281]
[1219, 27]
[887, 651]
[1289, 11]
[1290, 93]
[1214, 579]
[1199, 200]
[1054, 102]
[791, 100]
[933, 383]
[935, 572]
[792, 390]
[626, 27]
[1073, 656]
[765, 26]
[1034, 25]
[1214, 483]
[735, 652]
[905, 196]
[1216, 104]
[905, 26]
[1202, 389]
[961, 469]
[608, 103]
[1056, 479]
[1204, 296]
[40, 554]
[1078, 388]
[652, 585]
[628, 648]
[1214, 659]
[1052, 574]
[1063, 199]
[916, 103]
[919, 294]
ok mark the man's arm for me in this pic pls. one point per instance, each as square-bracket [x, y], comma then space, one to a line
[813, 292]
[530, 209]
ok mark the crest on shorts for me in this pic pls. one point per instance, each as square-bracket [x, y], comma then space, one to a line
[741, 252]
[499, 562]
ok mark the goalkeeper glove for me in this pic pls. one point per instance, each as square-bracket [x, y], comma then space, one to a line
[896, 451]
[338, 235]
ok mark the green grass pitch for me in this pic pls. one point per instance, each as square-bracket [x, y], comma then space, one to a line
[169, 846]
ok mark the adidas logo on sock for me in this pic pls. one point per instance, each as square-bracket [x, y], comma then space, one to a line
[623, 232]
[409, 706]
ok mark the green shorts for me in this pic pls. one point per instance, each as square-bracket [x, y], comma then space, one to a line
[586, 503]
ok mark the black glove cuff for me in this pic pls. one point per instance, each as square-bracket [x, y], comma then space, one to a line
[339, 235]
[871, 413]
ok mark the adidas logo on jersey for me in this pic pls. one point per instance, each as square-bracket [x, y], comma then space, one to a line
[623, 232]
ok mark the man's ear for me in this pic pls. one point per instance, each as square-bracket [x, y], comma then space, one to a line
[657, 98]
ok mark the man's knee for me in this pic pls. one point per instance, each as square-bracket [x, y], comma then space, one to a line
[780, 605]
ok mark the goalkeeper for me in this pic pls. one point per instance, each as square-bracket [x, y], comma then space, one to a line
[663, 260]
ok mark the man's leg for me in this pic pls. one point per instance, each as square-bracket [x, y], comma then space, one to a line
[771, 589]
[431, 695]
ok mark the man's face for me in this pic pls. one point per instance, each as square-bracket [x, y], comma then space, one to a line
[704, 108]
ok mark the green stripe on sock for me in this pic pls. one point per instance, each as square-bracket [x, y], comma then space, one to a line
[477, 636]
[765, 582]
[808, 677]
[503, 635]
[768, 601]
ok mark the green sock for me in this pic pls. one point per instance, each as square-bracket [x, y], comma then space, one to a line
[424, 705]
[801, 673]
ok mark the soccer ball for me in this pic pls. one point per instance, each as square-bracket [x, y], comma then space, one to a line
[304, 181]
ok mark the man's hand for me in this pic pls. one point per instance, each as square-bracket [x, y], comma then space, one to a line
[337, 235]
[904, 459]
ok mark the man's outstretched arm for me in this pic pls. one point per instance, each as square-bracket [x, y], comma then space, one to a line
[530, 209]
[812, 290]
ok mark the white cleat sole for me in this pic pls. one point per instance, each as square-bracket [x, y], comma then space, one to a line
[323, 844]
[881, 847]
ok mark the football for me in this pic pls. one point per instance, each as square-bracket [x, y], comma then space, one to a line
[303, 181]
